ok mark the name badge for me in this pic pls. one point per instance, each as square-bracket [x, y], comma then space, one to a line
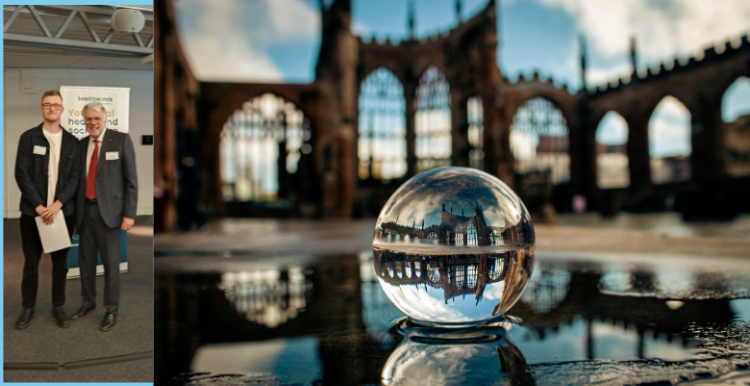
[112, 155]
[41, 150]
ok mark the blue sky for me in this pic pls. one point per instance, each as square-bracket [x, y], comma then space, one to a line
[278, 41]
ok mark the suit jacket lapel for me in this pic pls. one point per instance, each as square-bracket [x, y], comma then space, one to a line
[107, 138]
[41, 140]
[65, 148]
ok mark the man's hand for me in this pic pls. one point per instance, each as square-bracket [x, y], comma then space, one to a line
[127, 223]
[49, 214]
[41, 210]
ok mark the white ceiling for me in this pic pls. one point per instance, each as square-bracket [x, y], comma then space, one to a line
[27, 46]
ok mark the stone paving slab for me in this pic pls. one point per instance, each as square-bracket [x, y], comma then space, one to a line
[233, 237]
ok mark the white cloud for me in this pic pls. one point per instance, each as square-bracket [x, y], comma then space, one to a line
[231, 39]
[292, 20]
[425, 305]
[596, 76]
[662, 28]
[360, 29]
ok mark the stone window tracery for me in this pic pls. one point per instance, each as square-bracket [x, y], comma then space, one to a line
[433, 121]
[382, 127]
[262, 139]
[539, 140]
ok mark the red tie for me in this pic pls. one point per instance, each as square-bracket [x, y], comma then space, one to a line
[91, 178]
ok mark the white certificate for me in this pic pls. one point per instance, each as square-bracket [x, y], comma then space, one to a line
[54, 236]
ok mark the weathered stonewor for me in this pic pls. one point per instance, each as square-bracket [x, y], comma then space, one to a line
[467, 56]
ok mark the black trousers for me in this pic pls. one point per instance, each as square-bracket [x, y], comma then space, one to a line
[32, 251]
[97, 236]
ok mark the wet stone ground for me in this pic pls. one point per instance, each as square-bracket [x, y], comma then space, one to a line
[580, 321]
[286, 315]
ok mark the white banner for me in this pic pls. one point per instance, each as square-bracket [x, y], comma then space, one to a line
[116, 100]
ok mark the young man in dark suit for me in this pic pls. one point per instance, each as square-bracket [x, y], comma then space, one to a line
[47, 172]
[107, 200]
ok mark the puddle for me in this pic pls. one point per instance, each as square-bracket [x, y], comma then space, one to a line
[580, 321]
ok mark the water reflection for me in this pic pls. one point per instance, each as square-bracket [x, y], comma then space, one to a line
[547, 288]
[378, 312]
[665, 280]
[479, 356]
[574, 329]
[290, 361]
[268, 297]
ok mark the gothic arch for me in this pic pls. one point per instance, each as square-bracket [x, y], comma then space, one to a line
[612, 161]
[371, 67]
[550, 95]
[381, 138]
[670, 166]
[421, 69]
[738, 95]
[253, 141]
[433, 120]
[552, 153]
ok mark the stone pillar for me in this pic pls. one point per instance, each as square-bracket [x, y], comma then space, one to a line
[410, 99]
[210, 121]
[707, 141]
[582, 150]
[459, 132]
[639, 160]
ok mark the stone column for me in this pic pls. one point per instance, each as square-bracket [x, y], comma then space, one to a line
[639, 160]
[410, 99]
[459, 132]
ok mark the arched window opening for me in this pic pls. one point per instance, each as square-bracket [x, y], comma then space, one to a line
[669, 142]
[460, 273]
[539, 140]
[736, 100]
[260, 145]
[735, 111]
[382, 127]
[433, 121]
[612, 170]
[496, 268]
[475, 118]
[433, 273]
[471, 276]
[471, 235]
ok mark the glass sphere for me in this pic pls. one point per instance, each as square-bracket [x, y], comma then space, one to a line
[454, 247]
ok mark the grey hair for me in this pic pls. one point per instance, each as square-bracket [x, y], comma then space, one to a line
[95, 106]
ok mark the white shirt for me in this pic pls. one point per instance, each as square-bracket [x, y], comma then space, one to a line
[55, 141]
[90, 150]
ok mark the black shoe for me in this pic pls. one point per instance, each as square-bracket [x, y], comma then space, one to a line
[25, 319]
[61, 317]
[108, 322]
[83, 311]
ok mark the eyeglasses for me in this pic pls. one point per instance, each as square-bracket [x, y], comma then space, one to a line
[51, 106]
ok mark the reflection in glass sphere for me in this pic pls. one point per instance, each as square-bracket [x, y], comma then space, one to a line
[480, 356]
[454, 247]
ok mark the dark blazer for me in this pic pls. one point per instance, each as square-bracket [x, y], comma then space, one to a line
[32, 171]
[116, 179]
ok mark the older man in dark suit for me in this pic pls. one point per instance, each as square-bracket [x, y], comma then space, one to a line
[47, 172]
[107, 200]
